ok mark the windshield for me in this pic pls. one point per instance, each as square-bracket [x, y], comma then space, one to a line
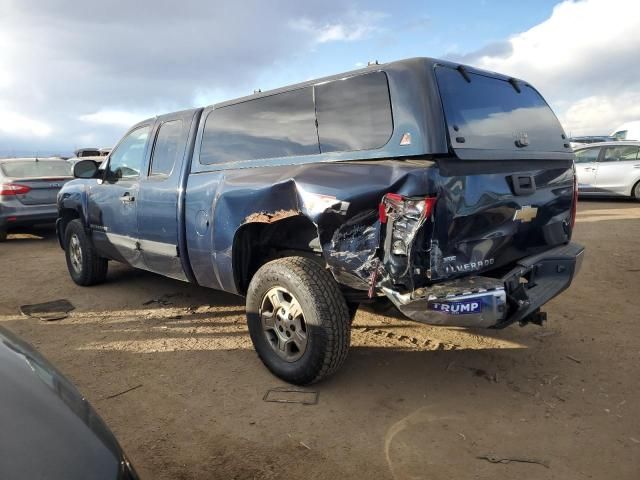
[35, 169]
[489, 113]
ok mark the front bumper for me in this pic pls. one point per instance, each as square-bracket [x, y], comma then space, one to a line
[494, 302]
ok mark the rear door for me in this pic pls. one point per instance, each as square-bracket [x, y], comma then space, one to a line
[586, 167]
[113, 200]
[158, 196]
[616, 168]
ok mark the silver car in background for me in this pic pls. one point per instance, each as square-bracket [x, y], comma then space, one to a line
[609, 169]
[28, 190]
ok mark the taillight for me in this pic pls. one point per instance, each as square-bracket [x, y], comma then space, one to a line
[404, 215]
[574, 201]
[13, 189]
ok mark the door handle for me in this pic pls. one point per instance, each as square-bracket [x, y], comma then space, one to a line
[589, 169]
[127, 198]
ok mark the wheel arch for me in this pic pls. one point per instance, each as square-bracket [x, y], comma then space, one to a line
[634, 184]
[65, 216]
[255, 243]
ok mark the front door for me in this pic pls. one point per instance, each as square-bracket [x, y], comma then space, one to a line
[586, 166]
[616, 167]
[113, 200]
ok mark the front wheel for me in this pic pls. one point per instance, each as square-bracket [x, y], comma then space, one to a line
[635, 193]
[84, 265]
[298, 320]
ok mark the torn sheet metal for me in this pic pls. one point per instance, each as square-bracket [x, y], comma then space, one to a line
[330, 196]
[265, 217]
[352, 252]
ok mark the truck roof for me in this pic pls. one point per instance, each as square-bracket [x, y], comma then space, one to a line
[398, 65]
[417, 112]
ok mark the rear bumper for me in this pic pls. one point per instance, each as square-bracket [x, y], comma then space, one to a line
[494, 302]
[11, 216]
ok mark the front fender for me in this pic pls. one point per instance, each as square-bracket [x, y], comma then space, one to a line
[73, 202]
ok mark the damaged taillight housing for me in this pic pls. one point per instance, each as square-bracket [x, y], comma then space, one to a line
[405, 216]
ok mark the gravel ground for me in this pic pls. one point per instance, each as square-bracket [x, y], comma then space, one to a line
[411, 401]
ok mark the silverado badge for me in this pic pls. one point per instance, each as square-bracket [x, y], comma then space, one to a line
[526, 213]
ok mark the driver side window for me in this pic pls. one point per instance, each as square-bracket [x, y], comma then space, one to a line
[125, 162]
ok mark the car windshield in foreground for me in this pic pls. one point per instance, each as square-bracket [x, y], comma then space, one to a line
[36, 169]
[484, 112]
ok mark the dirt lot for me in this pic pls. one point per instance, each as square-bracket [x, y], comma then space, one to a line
[411, 401]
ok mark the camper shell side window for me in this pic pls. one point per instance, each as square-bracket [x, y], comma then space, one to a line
[338, 116]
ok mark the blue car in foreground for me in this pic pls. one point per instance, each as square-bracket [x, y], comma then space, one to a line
[49, 430]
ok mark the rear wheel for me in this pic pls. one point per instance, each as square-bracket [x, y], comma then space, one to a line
[298, 320]
[3, 234]
[84, 265]
[635, 193]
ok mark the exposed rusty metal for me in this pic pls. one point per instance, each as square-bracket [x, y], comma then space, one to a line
[265, 217]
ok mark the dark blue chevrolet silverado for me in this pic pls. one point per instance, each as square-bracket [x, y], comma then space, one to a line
[432, 188]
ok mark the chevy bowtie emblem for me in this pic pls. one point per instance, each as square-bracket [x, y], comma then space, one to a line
[526, 213]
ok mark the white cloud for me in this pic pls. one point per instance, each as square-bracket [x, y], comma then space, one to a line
[118, 118]
[606, 113]
[93, 72]
[354, 27]
[583, 59]
[16, 124]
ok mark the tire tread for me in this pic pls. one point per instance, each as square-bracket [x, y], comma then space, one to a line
[94, 268]
[331, 307]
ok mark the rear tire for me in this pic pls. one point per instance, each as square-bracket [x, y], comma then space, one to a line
[298, 320]
[3, 235]
[635, 192]
[85, 266]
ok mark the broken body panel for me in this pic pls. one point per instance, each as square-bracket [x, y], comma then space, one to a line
[447, 240]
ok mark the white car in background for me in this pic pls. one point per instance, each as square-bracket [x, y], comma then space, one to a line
[609, 169]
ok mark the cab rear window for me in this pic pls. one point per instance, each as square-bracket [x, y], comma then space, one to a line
[484, 112]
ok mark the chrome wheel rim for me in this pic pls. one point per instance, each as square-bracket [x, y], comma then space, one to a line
[75, 253]
[283, 324]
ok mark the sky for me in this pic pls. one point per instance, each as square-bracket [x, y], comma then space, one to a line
[76, 73]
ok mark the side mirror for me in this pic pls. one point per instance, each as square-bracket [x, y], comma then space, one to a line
[85, 169]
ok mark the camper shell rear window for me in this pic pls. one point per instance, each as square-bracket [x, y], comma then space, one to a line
[484, 112]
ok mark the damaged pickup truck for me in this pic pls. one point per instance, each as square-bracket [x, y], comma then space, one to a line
[442, 191]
